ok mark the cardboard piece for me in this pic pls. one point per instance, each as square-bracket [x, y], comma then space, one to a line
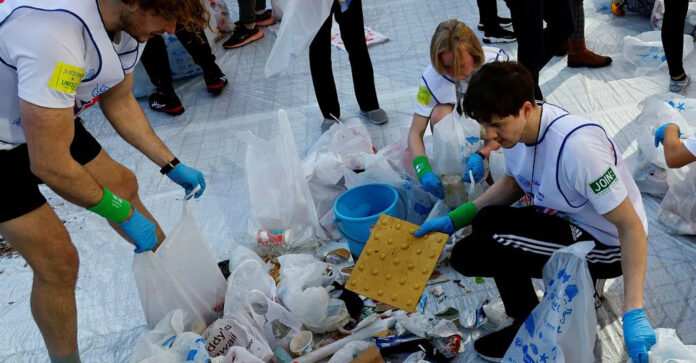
[395, 266]
[371, 355]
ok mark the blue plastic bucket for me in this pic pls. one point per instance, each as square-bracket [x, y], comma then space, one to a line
[357, 210]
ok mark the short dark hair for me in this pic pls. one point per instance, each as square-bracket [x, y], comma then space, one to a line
[498, 88]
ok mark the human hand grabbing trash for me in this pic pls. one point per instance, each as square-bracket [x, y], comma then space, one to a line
[660, 133]
[188, 178]
[432, 184]
[474, 165]
[442, 224]
[141, 231]
[638, 335]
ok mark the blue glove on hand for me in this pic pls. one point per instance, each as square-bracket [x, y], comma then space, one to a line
[432, 184]
[638, 335]
[188, 178]
[141, 231]
[660, 133]
[475, 165]
[442, 224]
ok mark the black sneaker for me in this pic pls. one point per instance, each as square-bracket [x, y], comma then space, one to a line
[215, 80]
[493, 346]
[503, 22]
[167, 102]
[498, 35]
[243, 36]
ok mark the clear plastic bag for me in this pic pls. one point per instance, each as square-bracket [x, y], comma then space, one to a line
[646, 51]
[168, 342]
[303, 290]
[276, 322]
[670, 349]
[562, 327]
[281, 203]
[301, 22]
[248, 276]
[349, 352]
[455, 137]
[678, 208]
[181, 274]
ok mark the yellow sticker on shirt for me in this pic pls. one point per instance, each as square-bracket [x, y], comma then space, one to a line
[423, 96]
[66, 78]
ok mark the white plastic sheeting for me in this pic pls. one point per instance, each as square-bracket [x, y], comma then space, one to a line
[111, 321]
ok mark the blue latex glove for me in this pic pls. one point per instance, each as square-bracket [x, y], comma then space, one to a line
[442, 224]
[432, 184]
[660, 133]
[188, 178]
[638, 335]
[475, 165]
[141, 231]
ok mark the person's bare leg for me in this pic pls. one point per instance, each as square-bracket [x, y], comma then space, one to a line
[40, 237]
[120, 180]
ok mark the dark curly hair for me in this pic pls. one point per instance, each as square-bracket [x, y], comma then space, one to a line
[192, 14]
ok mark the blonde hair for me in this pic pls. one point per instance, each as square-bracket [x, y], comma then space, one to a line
[454, 36]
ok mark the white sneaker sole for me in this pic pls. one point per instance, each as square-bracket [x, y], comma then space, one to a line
[490, 40]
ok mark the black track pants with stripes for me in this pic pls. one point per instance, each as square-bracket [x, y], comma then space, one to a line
[512, 245]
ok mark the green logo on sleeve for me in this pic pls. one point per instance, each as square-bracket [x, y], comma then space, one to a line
[604, 182]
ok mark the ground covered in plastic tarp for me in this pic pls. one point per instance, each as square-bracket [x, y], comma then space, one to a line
[110, 317]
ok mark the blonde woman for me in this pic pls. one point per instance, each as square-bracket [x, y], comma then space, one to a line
[455, 54]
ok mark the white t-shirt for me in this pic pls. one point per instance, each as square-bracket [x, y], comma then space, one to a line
[578, 173]
[49, 58]
[436, 89]
[690, 144]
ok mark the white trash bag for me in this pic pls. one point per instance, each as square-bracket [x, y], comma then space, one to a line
[562, 326]
[236, 330]
[239, 355]
[646, 51]
[670, 349]
[280, 200]
[248, 276]
[303, 290]
[678, 208]
[301, 22]
[168, 342]
[276, 322]
[455, 137]
[181, 274]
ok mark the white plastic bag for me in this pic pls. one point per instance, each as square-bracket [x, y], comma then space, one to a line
[562, 327]
[303, 290]
[181, 274]
[678, 208]
[236, 330]
[168, 342]
[371, 37]
[670, 349]
[248, 276]
[279, 195]
[646, 51]
[240, 355]
[240, 254]
[455, 137]
[301, 22]
[276, 322]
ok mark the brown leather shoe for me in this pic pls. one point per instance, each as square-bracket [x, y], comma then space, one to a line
[580, 56]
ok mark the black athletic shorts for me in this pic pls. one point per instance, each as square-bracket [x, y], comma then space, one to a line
[21, 188]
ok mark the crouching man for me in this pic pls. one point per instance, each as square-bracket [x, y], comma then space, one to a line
[576, 188]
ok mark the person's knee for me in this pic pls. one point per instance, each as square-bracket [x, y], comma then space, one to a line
[485, 218]
[126, 185]
[61, 267]
[440, 112]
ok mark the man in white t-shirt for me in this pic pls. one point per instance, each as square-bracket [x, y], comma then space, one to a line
[56, 59]
[577, 188]
[677, 154]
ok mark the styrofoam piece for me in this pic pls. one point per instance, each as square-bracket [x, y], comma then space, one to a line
[395, 266]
